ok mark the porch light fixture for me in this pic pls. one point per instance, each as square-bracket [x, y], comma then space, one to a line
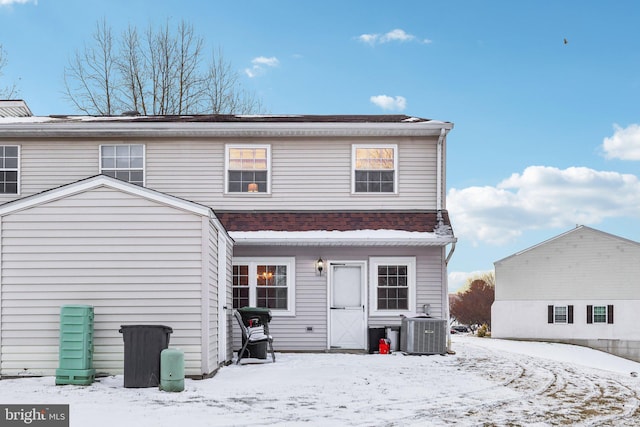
[320, 265]
[252, 187]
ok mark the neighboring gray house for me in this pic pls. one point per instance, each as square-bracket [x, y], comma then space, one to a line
[579, 287]
[365, 195]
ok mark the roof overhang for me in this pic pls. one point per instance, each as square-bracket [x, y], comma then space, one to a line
[340, 238]
[96, 127]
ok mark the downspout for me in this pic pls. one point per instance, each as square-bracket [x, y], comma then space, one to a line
[443, 133]
[441, 225]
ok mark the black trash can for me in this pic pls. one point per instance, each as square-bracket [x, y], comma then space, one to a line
[256, 317]
[142, 347]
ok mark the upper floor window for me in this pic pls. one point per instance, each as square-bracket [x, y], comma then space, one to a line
[264, 282]
[248, 168]
[393, 285]
[9, 155]
[124, 162]
[374, 168]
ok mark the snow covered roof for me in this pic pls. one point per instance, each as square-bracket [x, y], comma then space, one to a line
[366, 228]
[220, 125]
[224, 118]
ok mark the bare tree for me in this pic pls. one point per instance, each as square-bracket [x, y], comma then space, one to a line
[90, 79]
[160, 73]
[224, 93]
[10, 91]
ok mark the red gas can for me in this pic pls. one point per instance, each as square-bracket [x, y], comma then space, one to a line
[383, 346]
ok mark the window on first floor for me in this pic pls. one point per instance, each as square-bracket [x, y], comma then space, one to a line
[124, 162]
[560, 314]
[392, 285]
[599, 313]
[9, 172]
[265, 282]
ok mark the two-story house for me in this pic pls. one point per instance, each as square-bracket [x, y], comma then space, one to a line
[579, 287]
[336, 223]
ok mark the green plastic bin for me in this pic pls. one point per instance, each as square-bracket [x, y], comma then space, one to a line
[76, 345]
[172, 370]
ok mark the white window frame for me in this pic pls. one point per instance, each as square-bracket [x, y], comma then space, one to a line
[606, 314]
[253, 262]
[374, 262]
[555, 314]
[17, 170]
[354, 147]
[144, 160]
[227, 149]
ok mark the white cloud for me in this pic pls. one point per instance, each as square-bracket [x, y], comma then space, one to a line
[260, 65]
[11, 2]
[397, 35]
[624, 144]
[368, 38]
[386, 102]
[542, 197]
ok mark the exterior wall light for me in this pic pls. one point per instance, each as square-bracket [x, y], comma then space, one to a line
[320, 265]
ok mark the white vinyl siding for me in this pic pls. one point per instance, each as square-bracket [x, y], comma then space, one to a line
[311, 173]
[584, 263]
[290, 333]
[136, 261]
[210, 248]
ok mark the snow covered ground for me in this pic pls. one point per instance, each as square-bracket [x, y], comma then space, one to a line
[487, 382]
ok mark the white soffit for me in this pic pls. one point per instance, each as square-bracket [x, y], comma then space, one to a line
[340, 238]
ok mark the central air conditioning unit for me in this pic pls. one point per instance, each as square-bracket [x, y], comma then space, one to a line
[423, 335]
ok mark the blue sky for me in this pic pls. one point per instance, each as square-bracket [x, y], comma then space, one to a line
[547, 134]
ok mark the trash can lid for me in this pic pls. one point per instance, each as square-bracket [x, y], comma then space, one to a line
[166, 328]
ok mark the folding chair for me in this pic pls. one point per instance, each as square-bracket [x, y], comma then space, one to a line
[253, 335]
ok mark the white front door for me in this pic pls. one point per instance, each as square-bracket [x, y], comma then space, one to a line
[346, 306]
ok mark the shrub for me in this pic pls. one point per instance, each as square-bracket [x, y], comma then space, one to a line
[482, 330]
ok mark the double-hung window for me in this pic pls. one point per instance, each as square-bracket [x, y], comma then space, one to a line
[375, 168]
[560, 314]
[600, 314]
[248, 168]
[265, 282]
[392, 285]
[124, 162]
[9, 169]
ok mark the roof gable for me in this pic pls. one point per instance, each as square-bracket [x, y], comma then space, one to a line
[579, 228]
[102, 181]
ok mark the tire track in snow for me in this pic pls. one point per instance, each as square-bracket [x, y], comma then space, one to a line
[547, 393]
